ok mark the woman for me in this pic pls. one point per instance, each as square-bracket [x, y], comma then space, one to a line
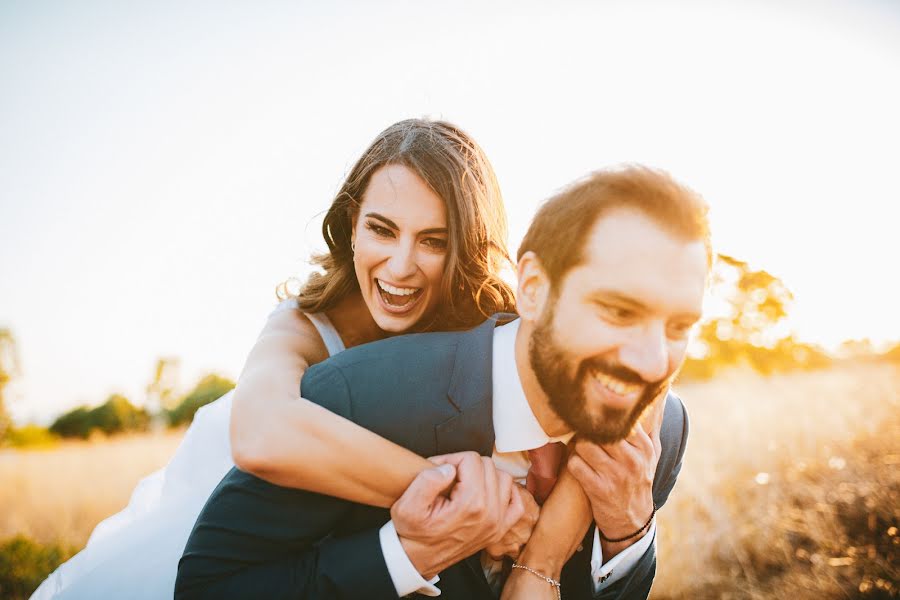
[416, 239]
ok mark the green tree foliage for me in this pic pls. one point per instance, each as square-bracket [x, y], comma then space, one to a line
[747, 331]
[116, 415]
[161, 390]
[30, 436]
[207, 389]
[24, 564]
[9, 368]
[893, 354]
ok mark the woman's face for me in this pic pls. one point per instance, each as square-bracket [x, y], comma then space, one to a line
[400, 239]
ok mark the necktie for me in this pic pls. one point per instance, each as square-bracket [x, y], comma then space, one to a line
[545, 463]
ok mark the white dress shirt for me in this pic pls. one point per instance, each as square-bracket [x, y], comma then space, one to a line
[516, 431]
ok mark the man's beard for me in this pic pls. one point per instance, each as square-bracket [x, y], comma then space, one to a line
[552, 364]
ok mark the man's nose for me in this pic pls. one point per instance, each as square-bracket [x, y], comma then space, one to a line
[647, 353]
[402, 263]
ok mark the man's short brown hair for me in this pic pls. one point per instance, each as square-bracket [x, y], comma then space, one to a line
[558, 233]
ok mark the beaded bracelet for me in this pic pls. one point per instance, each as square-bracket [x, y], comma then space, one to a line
[628, 537]
[549, 580]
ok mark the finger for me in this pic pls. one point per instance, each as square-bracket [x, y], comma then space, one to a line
[591, 481]
[506, 492]
[580, 469]
[653, 421]
[594, 454]
[470, 474]
[515, 509]
[491, 484]
[640, 440]
[453, 458]
[428, 485]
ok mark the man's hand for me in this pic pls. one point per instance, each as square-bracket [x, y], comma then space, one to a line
[518, 535]
[618, 479]
[437, 531]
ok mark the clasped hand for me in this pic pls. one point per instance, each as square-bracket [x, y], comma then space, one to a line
[618, 479]
[463, 505]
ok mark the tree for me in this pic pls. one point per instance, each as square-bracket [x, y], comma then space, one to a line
[207, 389]
[116, 415]
[161, 391]
[9, 368]
[747, 330]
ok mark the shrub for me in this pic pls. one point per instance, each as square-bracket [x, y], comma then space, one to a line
[208, 389]
[24, 564]
[75, 423]
[118, 414]
[30, 436]
[115, 415]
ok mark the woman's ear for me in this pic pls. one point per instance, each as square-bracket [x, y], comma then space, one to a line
[354, 218]
[534, 287]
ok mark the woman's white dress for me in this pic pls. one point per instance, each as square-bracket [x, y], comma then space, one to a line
[135, 553]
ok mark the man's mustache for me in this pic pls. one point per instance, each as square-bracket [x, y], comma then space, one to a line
[617, 371]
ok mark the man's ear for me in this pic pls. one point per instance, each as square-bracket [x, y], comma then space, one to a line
[534, 287]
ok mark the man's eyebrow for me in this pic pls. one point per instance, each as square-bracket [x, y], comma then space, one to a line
[619, 298]
[392, 225]
[634, 303]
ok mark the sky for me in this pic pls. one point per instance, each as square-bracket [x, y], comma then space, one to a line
[164, 165]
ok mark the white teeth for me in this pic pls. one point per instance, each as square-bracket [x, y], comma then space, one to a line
[618, 387]
[396, 290]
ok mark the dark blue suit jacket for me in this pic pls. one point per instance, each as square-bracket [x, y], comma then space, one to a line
[428, 392]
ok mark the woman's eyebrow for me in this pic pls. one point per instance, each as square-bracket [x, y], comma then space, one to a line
[383, 219]
[439, 230]
[392, 225]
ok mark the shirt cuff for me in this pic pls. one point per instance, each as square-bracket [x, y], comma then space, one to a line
[404, 575]
[604, 575]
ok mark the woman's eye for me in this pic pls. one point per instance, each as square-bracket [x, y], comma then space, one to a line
[379, 230]
[436, 243]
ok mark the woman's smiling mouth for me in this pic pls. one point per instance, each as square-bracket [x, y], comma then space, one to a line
[397, 299]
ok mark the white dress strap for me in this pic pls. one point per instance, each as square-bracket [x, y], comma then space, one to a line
[330, 336]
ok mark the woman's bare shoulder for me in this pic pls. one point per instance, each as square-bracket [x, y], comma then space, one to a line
[289, 332]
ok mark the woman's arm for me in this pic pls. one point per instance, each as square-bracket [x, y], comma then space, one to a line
[565, 518]
[286, 440]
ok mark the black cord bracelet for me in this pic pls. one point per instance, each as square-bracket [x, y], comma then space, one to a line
[628, 537]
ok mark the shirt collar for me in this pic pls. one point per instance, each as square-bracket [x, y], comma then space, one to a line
[515, 426]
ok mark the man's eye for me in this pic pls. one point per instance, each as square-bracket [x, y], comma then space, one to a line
[618, 313]
[678, 332]
[379, 230]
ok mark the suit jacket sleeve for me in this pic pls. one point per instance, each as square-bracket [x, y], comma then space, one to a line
[257, 540]
[636, 585]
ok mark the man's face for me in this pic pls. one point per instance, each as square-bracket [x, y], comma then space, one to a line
[615, 330]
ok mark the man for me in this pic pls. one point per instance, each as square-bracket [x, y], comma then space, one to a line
[611, 279]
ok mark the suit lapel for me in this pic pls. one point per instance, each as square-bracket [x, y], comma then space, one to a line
[470, 393]
[472, 427]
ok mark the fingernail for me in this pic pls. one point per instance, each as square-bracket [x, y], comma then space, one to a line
[446, 470]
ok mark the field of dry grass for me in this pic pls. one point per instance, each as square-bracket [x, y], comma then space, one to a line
[60, 494]
[790, 489]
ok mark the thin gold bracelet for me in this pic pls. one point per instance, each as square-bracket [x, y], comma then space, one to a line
[554, 583]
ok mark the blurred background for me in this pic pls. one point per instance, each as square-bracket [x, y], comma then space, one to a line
[164, 166]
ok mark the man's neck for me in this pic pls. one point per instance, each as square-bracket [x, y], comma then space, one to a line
[538, 400]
